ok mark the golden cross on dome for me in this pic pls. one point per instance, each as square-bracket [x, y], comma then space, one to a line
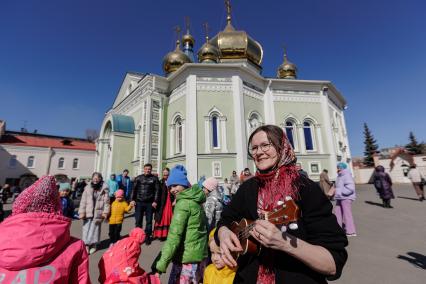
[228, 10]
[285, 52]
[206, 29]
[177, 30]
[187, 24]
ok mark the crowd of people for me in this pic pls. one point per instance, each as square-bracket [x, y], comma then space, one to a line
[196, 222]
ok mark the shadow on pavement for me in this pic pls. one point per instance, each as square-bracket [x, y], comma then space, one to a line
[410, 198]
[417, 259]
[374, 203]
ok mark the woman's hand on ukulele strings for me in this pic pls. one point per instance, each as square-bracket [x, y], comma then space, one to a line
[268, 235]
[228, 243]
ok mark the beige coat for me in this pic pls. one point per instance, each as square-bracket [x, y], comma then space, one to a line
[90, 210]
[325, 182]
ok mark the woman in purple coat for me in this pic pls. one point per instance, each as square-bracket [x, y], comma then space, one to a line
[383, 185]
[344, 196]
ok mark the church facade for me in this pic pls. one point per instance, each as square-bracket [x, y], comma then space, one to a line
[200, 114]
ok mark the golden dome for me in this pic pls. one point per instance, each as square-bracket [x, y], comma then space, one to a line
[208, 53]
[188, 38]
[287, 70]
[234, 44]
[174, 59]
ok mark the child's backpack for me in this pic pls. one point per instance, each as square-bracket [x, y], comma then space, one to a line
[120, 262]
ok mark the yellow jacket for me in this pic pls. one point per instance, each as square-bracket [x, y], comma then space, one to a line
[212, 275]
[117, 212]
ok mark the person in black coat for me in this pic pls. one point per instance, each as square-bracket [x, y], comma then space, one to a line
[146, 193]
[383, 185]
[311, 253]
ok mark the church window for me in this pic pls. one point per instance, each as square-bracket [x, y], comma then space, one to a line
[307, 131]
[215, 131]
[30, 162]
[179, 135]
[254, 122]
[61, 163]
[290, 132]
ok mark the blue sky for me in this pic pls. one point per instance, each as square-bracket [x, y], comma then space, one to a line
[62, 62]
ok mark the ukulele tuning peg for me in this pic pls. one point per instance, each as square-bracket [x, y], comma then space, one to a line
[287, 198]
[293, 226]
[283, 229]
[279, 202]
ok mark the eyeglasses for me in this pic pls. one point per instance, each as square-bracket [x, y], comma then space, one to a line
[264, 147]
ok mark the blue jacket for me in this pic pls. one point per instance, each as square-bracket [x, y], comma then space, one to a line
[113, 187]
[125, 185]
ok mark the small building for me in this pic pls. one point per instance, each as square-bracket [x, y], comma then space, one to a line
[24, 157]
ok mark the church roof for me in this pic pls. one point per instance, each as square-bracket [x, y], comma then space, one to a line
[123, 123]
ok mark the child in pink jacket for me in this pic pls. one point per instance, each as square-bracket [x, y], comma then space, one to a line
[119, 264]
[35, 241]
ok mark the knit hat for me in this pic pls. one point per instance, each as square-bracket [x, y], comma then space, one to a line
[42, 196]
[64, 186]
[210, 183]
[119, 193]
[341, 166]
[178, 176]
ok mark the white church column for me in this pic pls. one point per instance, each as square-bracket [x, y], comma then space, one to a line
[172, 140]
[148, 115]
[268, 103]
[223, 132]
[184, 137]
[239, 127]
[207, 134]
[329, 134]
[302, 144]
[320, 148]
[190, 129]
[136, 148]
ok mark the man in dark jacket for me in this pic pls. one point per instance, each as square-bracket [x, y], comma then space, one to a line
[146, 194]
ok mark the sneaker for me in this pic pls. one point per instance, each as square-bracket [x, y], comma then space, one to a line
[351, 235]
[148, 241]
[92, 250]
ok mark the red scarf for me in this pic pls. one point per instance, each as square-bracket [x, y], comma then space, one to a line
[274, 186]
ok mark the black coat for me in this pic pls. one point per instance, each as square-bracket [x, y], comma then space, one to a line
[317, 226]
[146, 189]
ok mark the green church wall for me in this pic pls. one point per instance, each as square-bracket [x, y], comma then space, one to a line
[205, 166]
[123, 147]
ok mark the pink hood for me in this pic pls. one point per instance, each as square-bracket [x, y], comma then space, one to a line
[31, 239]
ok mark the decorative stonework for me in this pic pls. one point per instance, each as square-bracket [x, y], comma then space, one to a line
[294, 92]
[217, 80]
[214, 87]
[252, 94]
[177, 93]
[299, 99]
[134, 99]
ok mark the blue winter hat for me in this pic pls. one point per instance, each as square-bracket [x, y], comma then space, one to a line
[178, 176]
[63, 186]
[342, 166]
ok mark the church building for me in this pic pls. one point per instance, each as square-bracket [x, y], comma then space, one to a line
[202, 111]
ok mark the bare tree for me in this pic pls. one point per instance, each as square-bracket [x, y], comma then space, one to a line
[92, 134]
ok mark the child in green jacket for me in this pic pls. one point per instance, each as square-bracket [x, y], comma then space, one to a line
[186, 243]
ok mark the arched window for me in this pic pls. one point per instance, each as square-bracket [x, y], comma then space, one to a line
[309, 139]
[61, 163]
[254, 122]
[30, 162]
[290, 131]
[215, 131]
[75, 163]
[179, 135]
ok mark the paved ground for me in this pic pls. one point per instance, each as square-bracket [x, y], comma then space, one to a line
[390, 246]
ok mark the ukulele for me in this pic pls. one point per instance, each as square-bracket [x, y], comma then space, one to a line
[287, 213]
